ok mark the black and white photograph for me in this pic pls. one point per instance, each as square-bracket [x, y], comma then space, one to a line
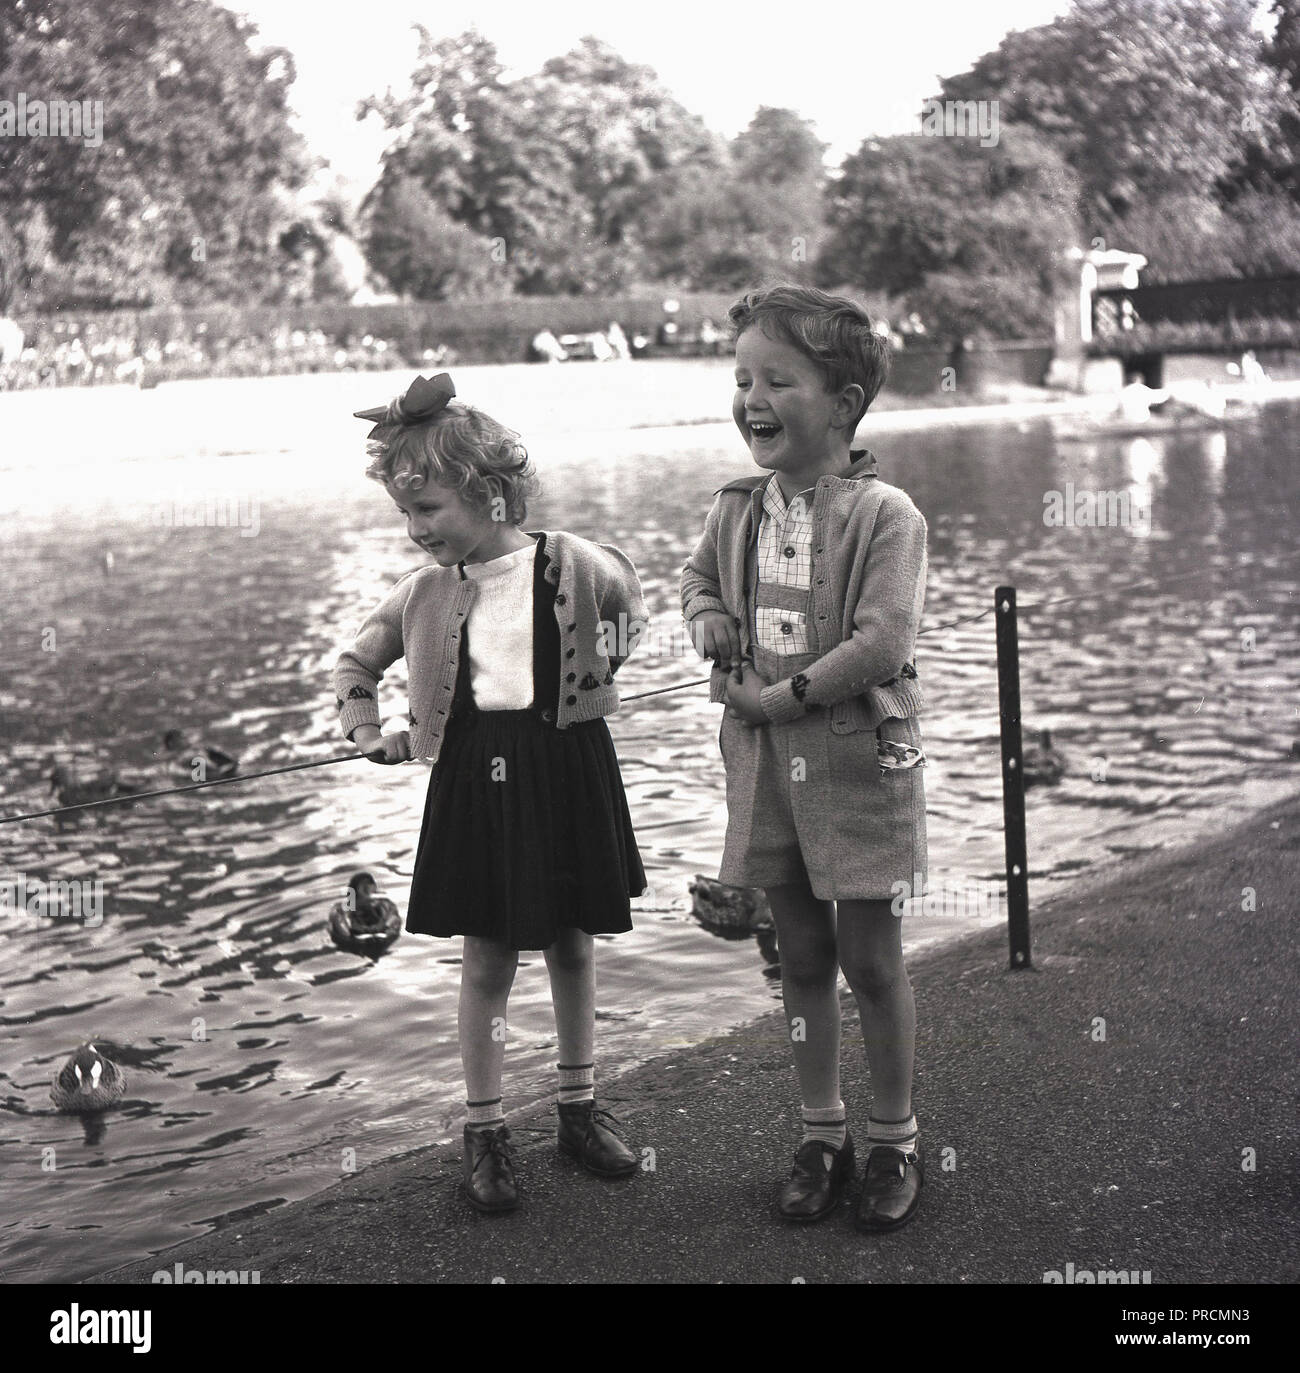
[649, 646]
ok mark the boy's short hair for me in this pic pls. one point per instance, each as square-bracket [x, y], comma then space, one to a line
[834, 333]
[462, 448]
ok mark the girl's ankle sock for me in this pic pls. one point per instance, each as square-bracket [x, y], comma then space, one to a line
[829, 1124]
[898, 1134]
[485, 1115]
[577, 1083]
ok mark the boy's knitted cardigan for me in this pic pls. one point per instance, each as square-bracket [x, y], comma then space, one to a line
[869, 565]
[423, 616]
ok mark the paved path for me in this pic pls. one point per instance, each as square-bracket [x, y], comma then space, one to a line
[1062, 1148]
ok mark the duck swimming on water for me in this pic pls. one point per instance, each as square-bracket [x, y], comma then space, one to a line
[215, 763]
[1042, 764]
[75, 790]
[88, 1082]
[364, 922]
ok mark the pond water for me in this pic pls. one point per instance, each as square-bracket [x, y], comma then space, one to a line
[262, 1059]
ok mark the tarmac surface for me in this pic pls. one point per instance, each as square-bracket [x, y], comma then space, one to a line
[1160, 1142]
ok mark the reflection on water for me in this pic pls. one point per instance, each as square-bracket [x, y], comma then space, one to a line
[259, 1054]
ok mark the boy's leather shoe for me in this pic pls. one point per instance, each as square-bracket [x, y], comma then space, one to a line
[813, 1189]
[489, 1170]
[590, 1135]
[891, 1190]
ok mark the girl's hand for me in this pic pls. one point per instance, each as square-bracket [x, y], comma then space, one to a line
[387, 749]
[743, 692]
[715, 636]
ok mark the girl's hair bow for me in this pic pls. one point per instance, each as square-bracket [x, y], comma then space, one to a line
[423, 399]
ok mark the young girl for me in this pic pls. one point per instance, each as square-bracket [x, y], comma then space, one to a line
[526, 841]
[806, 588]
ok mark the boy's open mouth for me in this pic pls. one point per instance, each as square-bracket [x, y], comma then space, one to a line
[764, 429]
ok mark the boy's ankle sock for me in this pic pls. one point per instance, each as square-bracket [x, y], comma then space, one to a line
[898, 1134]
[828, 1124]
[485, 1115]
[577, 1083]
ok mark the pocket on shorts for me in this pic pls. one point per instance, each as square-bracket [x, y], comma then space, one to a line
[898, 744]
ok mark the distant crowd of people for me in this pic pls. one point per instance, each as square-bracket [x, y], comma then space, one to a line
[68, 354]
[672, 338]
[613, 345]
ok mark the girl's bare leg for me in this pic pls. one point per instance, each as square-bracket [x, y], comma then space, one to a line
[572, 967]
[487, 973]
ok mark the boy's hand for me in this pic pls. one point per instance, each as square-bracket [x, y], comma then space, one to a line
[385, 749]
[743, 691]
[715, 636]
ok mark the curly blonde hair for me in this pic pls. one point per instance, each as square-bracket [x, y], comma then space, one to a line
[461, 448]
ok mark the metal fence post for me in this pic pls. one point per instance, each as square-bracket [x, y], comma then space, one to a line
[1013, 778]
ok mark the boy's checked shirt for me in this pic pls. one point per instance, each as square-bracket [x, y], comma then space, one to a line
[866, 609]
[785, 536]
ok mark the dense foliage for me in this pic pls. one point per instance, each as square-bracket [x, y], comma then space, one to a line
[1181, 122]
[189, 188]
[1167, 127]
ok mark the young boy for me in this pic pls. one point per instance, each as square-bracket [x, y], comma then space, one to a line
[806, 590]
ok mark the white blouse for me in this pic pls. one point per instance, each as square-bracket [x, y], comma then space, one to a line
[501, 631]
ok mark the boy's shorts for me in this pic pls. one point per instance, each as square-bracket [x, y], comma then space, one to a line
[843, 812]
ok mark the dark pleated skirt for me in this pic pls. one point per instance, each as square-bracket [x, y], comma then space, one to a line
[526, 829]
[526, 833]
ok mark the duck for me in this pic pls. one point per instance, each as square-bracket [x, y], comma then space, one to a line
[1041, 764]
[765, 937]
[364, 922]
[215, 762]
[74, 790]
[88, 1082]
[729, 912]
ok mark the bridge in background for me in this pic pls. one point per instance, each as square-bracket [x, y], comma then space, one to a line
[1224, 316]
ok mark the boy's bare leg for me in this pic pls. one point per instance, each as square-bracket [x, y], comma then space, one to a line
[805, 932]
[870, 943]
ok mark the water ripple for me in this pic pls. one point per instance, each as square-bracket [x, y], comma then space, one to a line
[259, 1054]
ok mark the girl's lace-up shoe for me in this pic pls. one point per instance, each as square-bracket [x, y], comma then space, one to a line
[489, 1170]
[590, 1135]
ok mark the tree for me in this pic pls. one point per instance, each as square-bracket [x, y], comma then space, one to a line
[754, 214]
[1270, 163]
[896, 213]
[973, 239]
[422, 252]
[1143, 98]
[696, 232]
[554, 170]
[780, 172]
[588, 176]
[779, 148]
[480, 150]
[619, 129]
[1184, 237]
[191, 186]
[1283, 54]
